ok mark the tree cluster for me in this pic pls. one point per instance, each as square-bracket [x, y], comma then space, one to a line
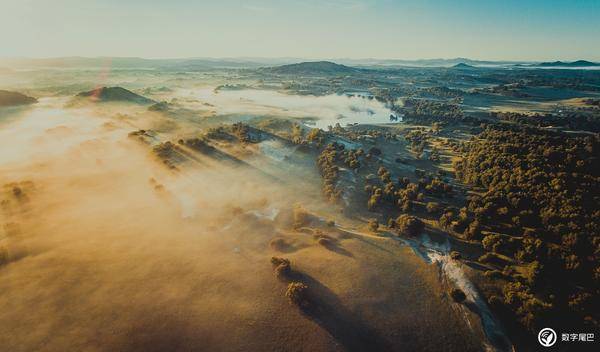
[571, 120]
[541, 196]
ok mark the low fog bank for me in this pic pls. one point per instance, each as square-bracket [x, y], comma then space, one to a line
[105, 247]
[316, 111]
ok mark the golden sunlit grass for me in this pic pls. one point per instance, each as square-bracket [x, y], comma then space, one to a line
[104, 248]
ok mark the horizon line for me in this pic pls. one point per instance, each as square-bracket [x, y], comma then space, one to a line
[248, 58]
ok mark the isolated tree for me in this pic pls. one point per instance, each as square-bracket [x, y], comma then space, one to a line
[297, 293]
[373, 225]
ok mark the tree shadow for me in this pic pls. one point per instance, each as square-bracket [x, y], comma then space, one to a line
[348, 235]
[335, 247]
[280, 244]
[326, 309]
[220, 156]
[476, 266]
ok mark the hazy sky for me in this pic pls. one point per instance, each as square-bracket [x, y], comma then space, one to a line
[480, 29]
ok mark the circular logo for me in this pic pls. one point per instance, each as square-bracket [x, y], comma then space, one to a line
[547, 337]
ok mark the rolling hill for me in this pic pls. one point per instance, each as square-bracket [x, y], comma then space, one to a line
[578, 63]
[115, 94]
[312, 68]
[463, 66]
[8, 98]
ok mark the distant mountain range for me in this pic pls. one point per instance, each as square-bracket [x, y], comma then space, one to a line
[8, 98]
[578, 63]
[426, 62]
[312, 68]
[128, 63]
[115, 94]
[193, 64]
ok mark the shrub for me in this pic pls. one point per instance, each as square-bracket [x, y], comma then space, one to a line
[297, 293]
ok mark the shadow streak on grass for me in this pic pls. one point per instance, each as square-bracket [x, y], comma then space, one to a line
[369, 242]
[223, 157]
[345, 327]
[336, 248]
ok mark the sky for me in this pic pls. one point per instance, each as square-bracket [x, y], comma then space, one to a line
[530, 30]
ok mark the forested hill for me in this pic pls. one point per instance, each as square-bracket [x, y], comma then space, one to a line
[312, 68]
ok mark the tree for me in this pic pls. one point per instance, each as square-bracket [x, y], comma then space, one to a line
[301, 216]
[492, 243]
[432, 207]
[446, 219]
[409, 225]
[373, 225]
[315, 135]
[297, 133]
[391, 223]
[473, 231]
[297, 293]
